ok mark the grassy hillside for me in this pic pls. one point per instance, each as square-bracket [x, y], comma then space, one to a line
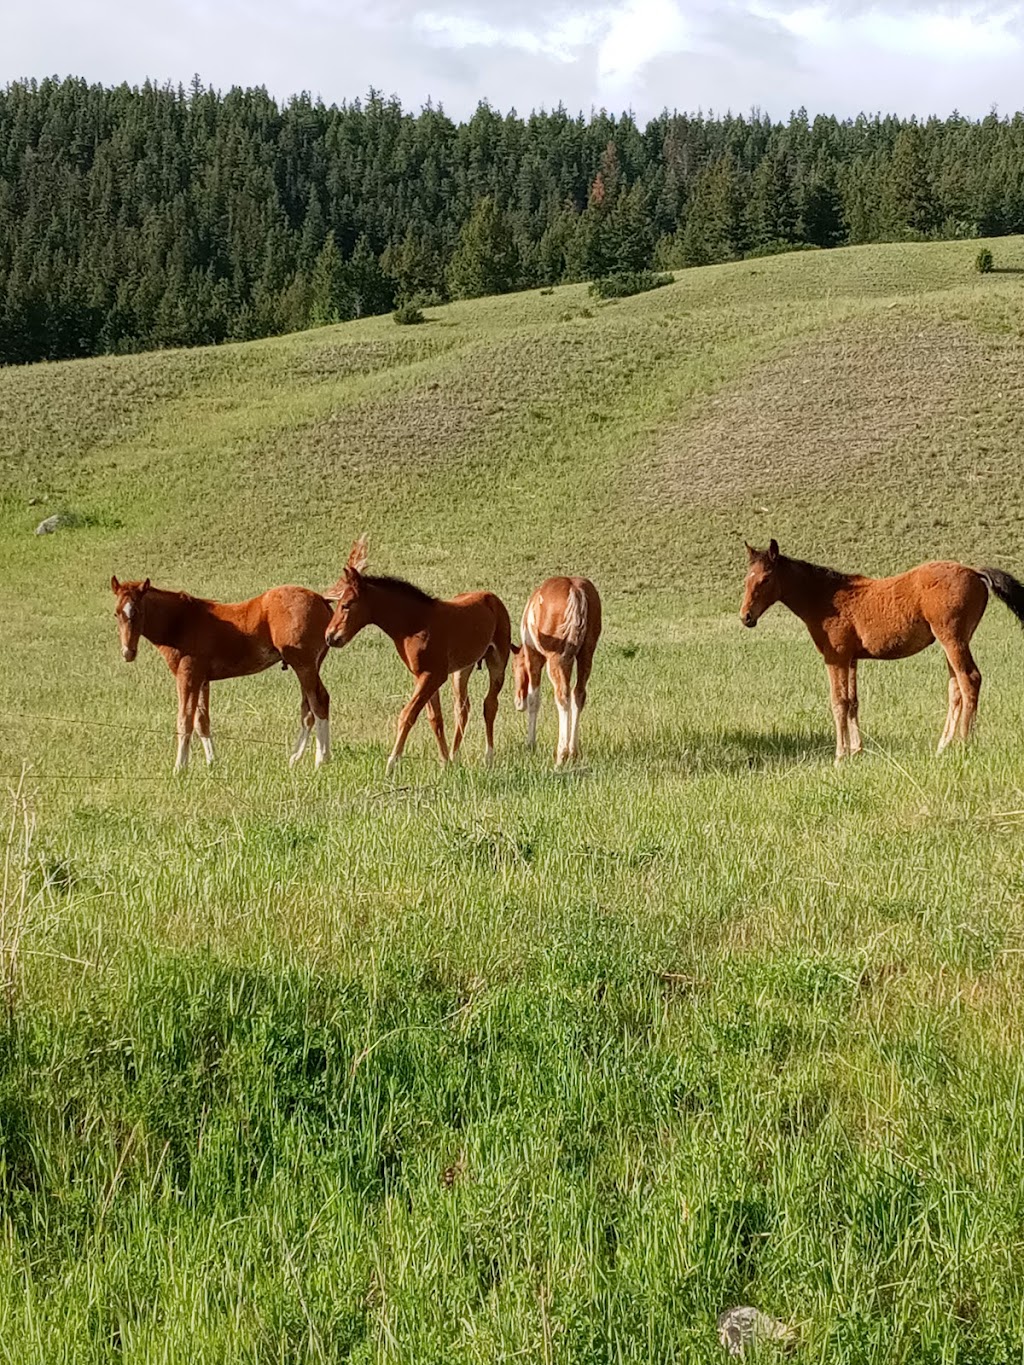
[480, 1065]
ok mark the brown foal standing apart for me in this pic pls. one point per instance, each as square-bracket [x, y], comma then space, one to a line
[203, 642]
[561, 626]
[435, 640]
[851, 617]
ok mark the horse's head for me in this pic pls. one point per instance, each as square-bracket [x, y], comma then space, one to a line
[129, 608]
[348, 597]
[520, 677]
[762, 587]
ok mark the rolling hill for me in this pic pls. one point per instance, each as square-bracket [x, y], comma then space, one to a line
[319, 1066]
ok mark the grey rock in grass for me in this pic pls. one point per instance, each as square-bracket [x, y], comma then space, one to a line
[50, 524]
[740, 1329]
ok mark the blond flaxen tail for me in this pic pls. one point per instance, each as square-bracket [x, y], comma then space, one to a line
[574, 622]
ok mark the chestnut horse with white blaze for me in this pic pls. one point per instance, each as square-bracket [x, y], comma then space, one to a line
[203, 642]
[435, 640]
[561, 626]
[851, 617]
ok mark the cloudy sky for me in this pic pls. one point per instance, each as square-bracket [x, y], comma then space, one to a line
[840, 56]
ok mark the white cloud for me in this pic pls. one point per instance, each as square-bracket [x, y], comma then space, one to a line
[841, 56]
[635, 34]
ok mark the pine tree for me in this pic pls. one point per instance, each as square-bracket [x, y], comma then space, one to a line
[771, 214]
[486, 260]
[367, 289]
[414, 266]
[712, 232]
[909, 200]
[327, 286]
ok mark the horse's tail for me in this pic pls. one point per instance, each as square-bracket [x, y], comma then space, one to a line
[1008, 589]
[501, 640]
[574, 622]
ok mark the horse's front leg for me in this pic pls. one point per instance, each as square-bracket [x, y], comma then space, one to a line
[436, 718]
[853, 711]
[426, 685]
[189, 688]
[839, 687]
[203, 721]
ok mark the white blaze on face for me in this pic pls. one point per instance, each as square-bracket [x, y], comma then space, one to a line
[129, 611]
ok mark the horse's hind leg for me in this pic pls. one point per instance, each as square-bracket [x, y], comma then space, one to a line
[853, 711]
[460, 693]
[203, 721]
[953, 712]
[968, 677]
[839, 686]
[496, 672]
[560, 673]
[534, 668]
[305, 729]
[316, 711]
[584, 662]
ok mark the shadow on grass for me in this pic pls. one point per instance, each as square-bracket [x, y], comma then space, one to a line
[742, 748]
[735, 750]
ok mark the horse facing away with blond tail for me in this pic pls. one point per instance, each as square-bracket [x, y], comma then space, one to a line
[560, 628]
[852, 617]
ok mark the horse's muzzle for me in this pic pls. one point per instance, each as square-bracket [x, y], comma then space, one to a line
[128, 655]
[748, 618]
[333, 640]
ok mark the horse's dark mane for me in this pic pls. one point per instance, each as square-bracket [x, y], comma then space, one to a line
[819, 570]
[399, 585]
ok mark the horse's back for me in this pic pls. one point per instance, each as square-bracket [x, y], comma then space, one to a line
[296, 617]
[900, 615]
[938, 584]
[476, 621]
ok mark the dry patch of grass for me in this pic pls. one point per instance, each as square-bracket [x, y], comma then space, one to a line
[832, 412]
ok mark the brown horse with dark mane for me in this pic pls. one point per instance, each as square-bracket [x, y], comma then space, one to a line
[204, 641]
[851, 617]
[561, 627]
[434, 640]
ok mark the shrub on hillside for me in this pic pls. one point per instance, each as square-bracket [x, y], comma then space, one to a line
[626, 282]
[407, 314]
[984, 262]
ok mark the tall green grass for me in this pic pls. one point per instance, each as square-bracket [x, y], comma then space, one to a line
[481, 1065]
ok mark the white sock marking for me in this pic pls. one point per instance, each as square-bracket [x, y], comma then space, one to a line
[323, 739]
[300, 745]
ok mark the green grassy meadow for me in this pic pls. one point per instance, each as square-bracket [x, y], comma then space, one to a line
[514, 1064]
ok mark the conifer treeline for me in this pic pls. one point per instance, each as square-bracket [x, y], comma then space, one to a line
[140, 217]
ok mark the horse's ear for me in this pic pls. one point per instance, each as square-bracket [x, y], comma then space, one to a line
[144, 588]
[334, 594]
[358, 555]
[751, 552]
[115, 586]
[773, 551]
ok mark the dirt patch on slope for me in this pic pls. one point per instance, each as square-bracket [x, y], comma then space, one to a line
[859, 405]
